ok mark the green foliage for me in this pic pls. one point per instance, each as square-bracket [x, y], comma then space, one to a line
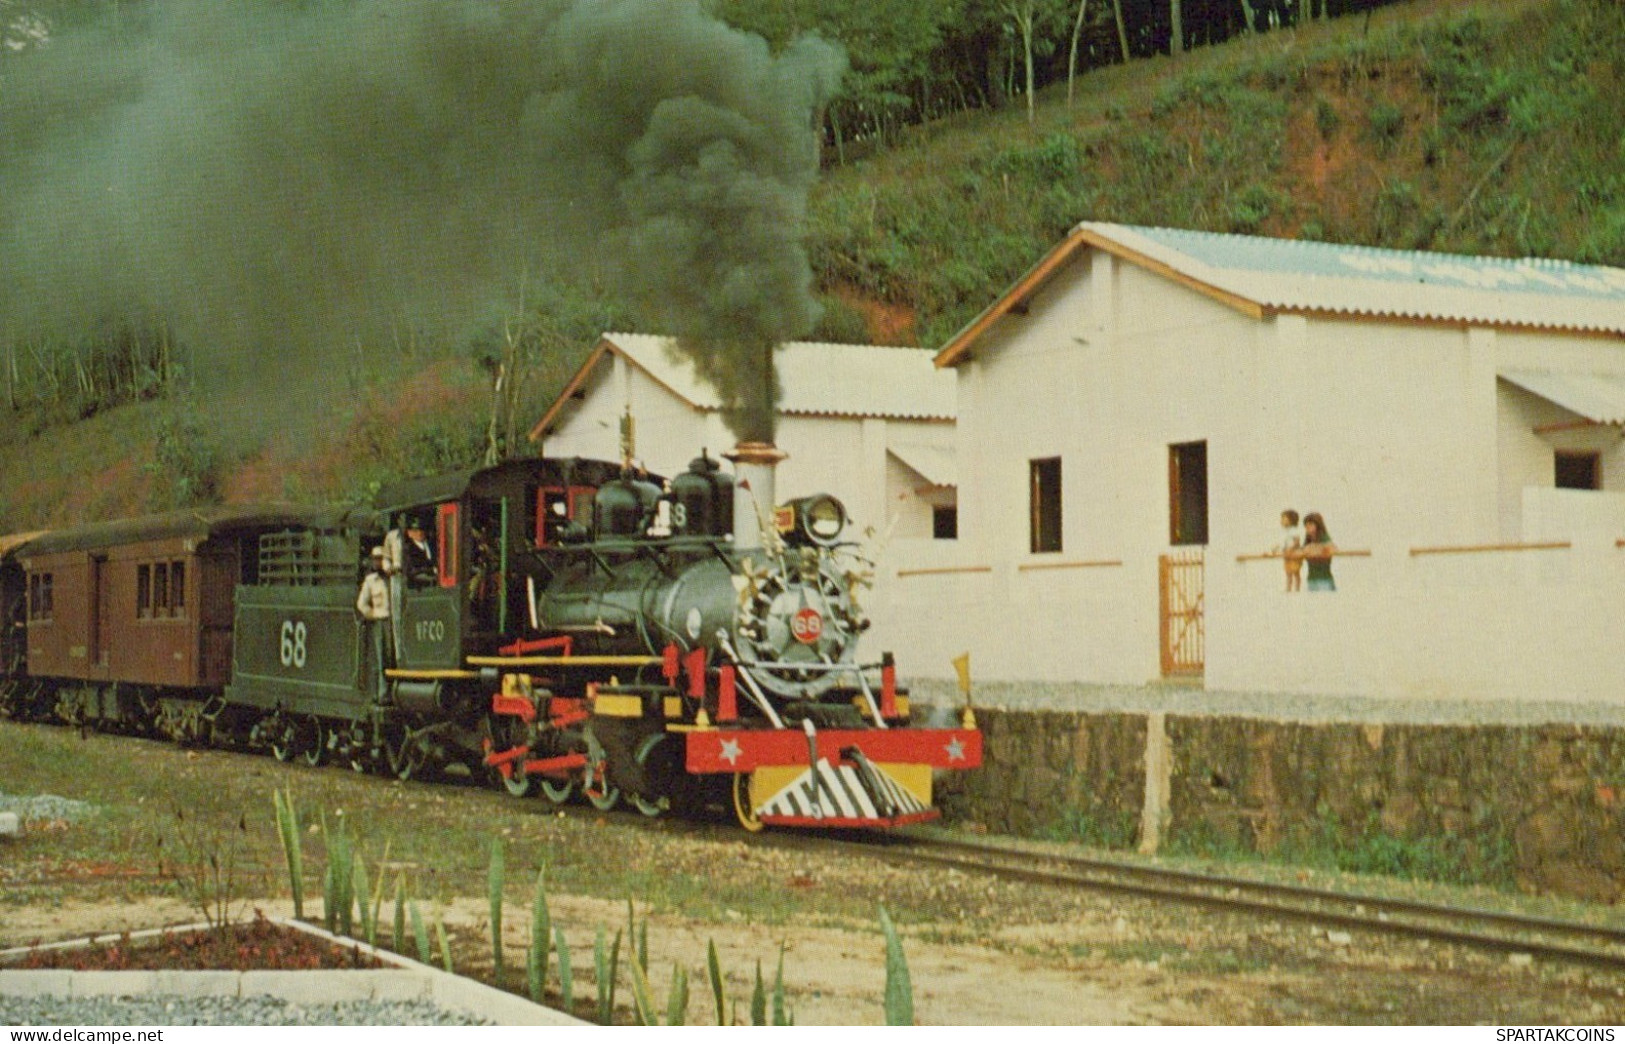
[541, 922]
[338, 880]
[495, 876]
[1096, 828]
[567, 982]
[713, 971]
[363, 893]
[899, 988]
[677, 997]
[398, 936]
[293, 856]
[445, 944]
[606, 967]
[1384, 123]
[1327, 120]
[185, 465]
[758, 999]
[420, 934]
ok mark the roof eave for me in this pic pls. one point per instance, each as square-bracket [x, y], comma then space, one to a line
[602, 348]
[1058, 258]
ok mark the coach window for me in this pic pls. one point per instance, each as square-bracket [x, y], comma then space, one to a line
[143, 591]
[160, 589]
[39, 596]
[1044, 504]
[177, 587]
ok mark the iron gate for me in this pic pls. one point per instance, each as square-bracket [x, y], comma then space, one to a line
[1183, 644]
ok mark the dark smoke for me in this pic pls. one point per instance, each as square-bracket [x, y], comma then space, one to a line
[277, 181]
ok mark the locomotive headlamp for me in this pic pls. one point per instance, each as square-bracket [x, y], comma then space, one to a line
[818, 519]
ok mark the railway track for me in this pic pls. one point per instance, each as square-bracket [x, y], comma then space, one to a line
[1492, 930]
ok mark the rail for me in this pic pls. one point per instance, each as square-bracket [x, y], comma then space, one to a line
[1596, 945]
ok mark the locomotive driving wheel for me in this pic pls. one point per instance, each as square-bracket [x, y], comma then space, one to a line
[314, 751]
[595, 783]
[654, 757]
[744, 807]
[558, 791]
[506, 734]
[283, 735]
[407, 759]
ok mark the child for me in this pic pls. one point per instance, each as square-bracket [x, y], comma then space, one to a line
[1291, 541]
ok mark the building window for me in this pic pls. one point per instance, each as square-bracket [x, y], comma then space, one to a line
[945, 523]
[1577, 470]
[143, 591]
[1187, 493]
[1044, 504]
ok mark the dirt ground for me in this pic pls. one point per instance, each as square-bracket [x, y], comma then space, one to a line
[1100, 970]
[980, 950]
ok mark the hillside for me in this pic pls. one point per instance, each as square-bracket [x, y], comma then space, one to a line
[1474, 127]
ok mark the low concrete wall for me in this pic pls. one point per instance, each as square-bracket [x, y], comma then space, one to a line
[1539, 807]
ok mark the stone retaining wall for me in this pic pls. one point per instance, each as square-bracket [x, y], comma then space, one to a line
[1542, 808]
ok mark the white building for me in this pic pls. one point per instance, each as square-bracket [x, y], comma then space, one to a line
[1137, 410]
[874, 426]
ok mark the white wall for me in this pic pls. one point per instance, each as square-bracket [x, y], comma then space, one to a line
[843, 456]
[1395, 431]
[1516, 625]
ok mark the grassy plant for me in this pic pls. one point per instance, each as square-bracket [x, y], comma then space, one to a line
[293, 857]
[206, 869]
[642, 1004]
[363, 895]
[420, 934]
[899, 989]
[567, 983]
[713, 971]
[758, 999]
[494, 880]
[338, 882]
[606, 965]
[781, 1011]
[540, 939]
[677, 998]
[398, 940]
[445, 944]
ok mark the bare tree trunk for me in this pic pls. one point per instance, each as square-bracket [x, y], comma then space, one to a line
[1122, 30]
[1176, 38]
[1072, 56]
[1026, 25]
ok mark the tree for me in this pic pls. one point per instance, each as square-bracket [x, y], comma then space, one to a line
[1072, 53]
[1176, 36]
[1023, 13]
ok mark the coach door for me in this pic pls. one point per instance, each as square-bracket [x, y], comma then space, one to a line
[101, 614]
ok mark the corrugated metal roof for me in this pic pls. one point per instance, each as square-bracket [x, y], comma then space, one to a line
[1596, 397]
[938, 465]
[816, 378]
[1294, 275]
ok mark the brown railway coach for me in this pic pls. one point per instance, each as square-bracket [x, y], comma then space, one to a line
[140, 602]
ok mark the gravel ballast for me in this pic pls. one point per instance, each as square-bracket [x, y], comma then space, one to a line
[45, 808]
[169, 1010]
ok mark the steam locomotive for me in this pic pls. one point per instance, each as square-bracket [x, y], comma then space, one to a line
[579, 627]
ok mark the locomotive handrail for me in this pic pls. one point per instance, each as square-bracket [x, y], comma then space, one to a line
[755, 690]
[564, 661]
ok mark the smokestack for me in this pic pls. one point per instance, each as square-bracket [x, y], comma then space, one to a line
[755, 464]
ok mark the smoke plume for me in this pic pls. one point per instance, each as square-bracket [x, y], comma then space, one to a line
[274, 181]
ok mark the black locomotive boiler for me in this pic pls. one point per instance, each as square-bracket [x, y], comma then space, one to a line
[574, 626]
